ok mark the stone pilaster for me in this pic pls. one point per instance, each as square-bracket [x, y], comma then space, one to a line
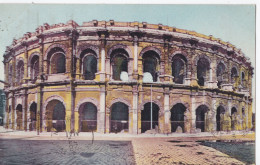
[102, 37]
[73, 37]
[40, 123]
[102, 112]
[25, 107]
[41, 61]
[212, 82]
[14, 113]
[25, 77]
[135, 110]
[193, 113]
[214, 114]
[167, 113]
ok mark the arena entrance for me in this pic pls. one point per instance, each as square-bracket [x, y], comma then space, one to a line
[33, 110]
[233, 118]
[177, 117]
[200, 117]
[220, 110]
[55, 112]
[87, 117]
[146, 117]
[19, 117]
[119, 117]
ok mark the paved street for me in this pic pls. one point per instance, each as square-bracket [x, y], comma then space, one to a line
[65, 152]
[28, 148]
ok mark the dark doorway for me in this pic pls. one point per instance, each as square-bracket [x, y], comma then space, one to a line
[89, 67]
[88, 117]
[19, 116]
[179, 68]
[203, 67]
[55, 116]
[200, 117]
[233, 118]
[220, 110]
[234, 75]
[146, 116]
[150, 62]
[177, 116]
[119, 64]
[33, 110]
[220, 74]
[59, 116]
[119, 117]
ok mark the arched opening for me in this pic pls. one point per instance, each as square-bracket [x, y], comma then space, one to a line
[233, 118]
[20, 72]
[33, 111]
[151, 64]
[10, 74]
[220, 112]
[119, 62]
[87, 117]
[55, 116]
[56, 61]
[146, 116]
[200, 117]
[34, 67]
[89, 64]
[177, 117]
[179, 68]
[234, 75]
[203, 67]
[220, 74]
[119, 117]
[19, 116]
[243, 80]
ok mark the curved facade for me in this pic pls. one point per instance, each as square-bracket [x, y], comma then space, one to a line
[109, 76]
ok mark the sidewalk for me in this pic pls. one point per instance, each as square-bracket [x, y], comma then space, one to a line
[5, 133]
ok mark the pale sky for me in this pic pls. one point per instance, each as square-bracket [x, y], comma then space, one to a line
[232, 23]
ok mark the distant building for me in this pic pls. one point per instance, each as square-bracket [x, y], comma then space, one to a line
[99, 76]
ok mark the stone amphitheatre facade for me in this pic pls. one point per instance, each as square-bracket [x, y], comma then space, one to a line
[109, 76]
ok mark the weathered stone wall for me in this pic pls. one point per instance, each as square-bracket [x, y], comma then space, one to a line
[103, 39]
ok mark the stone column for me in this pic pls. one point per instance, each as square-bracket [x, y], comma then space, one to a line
[73, 37]
[135, 54]
[25, 107]
[39, 116]
[135, 110]
[108, 73]
[102, 38]
[193, 112]
[14, 70]
[68, 111]
[214, 114]
[166, 63]
[229, 106]
[41, 67]
[167, 113]
[25, 78]
[28, 119]
[14, 113]
[102, 112]
[39, 119]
